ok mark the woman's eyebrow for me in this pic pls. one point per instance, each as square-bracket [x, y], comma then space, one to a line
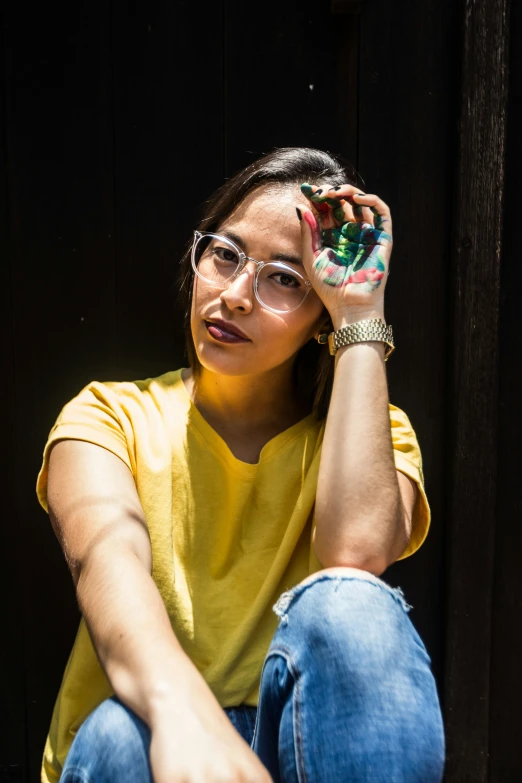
[291, 259]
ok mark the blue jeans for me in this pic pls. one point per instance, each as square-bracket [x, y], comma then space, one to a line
[347, 694]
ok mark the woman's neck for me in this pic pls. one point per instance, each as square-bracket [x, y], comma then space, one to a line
[247, 402]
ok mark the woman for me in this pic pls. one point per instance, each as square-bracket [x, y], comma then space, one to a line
[226, 524]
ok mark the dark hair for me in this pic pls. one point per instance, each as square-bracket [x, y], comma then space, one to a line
[313, 367]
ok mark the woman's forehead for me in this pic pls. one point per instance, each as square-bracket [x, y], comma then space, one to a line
[267, 210]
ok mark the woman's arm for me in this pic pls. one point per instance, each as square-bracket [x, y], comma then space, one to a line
[361, 518]
[98, 518]
[363, 515]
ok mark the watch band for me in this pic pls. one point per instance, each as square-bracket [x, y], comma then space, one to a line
[367, 330]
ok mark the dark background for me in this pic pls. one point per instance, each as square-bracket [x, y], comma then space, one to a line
[117, 119]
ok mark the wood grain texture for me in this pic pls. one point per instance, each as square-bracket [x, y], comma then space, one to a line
[407, 150]
[476, 258]
[117, 122]
[12, 715]
[505, 727]
[286, 84]
[62, 295]
[167, 125]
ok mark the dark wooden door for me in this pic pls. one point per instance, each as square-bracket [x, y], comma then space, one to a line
[117, 120]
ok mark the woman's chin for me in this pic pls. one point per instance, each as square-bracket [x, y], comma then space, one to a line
[225, 361]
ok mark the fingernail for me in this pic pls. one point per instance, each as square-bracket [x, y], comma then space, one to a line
[337, 187]
[298, 213]
[360, 194]
[318, 192]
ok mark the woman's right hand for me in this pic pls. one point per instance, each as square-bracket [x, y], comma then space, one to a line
[200, 745]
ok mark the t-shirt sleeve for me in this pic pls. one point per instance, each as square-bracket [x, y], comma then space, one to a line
[95, 415]
[408, 459]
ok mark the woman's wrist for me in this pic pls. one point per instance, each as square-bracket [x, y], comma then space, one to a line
[348, 316]
[360, 348]
[172, 698]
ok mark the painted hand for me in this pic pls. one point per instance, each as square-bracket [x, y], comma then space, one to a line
[347, 244]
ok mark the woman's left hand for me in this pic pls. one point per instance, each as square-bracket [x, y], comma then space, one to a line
[347, 244]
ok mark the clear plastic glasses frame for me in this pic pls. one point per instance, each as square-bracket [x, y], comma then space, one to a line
[243, 258]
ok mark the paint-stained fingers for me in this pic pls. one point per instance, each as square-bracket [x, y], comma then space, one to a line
[347, 192]
[362, 213]
[320, 196]
[315, 194]
[347, 214]
[308, 190]
[341, 191]
[307, 216]
[315, 231]
[319, 209]
[342, 210]
[332, 210]
[380, 211]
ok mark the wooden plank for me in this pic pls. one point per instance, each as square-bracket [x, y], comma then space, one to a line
[405, 156]
[477, 240]
[168, 145]
[63, 289]
[12, 715]
[288, 79]
[505, 758]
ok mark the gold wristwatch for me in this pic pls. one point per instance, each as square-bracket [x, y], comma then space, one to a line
[361, 331]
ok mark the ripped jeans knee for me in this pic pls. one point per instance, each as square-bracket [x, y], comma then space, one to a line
[347, 672]
[333, 577]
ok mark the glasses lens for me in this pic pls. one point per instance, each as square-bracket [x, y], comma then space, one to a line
[215, 259]
[281, 287]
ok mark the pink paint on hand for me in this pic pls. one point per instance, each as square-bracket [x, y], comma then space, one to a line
[363, 275]
[316, 239]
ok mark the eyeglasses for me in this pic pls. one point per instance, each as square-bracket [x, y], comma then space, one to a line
[277, 286]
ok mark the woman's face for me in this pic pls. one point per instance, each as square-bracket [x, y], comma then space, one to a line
[266, 222]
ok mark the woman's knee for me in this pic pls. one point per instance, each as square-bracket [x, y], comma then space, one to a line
[352, 609]
[348, 639]
[112, 741]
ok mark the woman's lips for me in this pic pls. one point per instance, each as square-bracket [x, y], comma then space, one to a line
[219, 333]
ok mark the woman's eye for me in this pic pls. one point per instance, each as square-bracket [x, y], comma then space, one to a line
[225, 254]
[286, 280]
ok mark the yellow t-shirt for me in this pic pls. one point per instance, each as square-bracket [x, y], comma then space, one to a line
[227, 537]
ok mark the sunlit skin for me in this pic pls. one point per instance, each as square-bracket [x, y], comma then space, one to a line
[247, 387]
[250, 384]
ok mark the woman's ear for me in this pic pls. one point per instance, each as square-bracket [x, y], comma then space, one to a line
[325, 326]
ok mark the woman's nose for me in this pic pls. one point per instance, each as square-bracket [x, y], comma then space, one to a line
[240, 291]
